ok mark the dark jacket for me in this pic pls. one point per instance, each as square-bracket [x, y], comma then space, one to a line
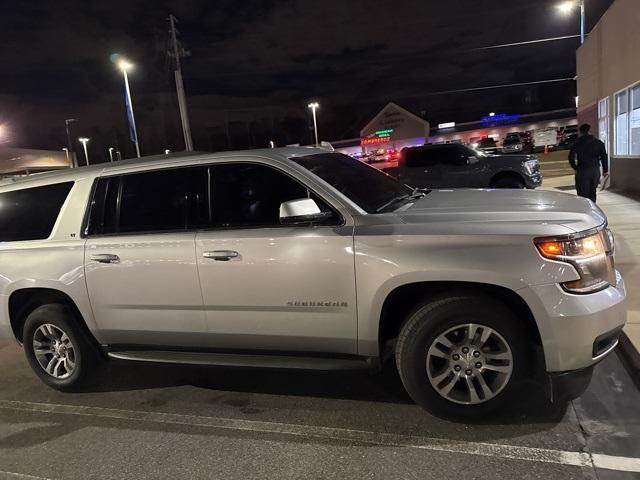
[589, 153]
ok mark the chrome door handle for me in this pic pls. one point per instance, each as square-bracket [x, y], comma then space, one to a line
[221, 255]
[105, 258]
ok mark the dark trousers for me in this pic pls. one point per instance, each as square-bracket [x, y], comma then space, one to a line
[587, 180]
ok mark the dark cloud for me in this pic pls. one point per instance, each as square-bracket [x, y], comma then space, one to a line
[257, 62]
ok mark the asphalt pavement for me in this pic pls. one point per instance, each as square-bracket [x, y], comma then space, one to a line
[157, 421]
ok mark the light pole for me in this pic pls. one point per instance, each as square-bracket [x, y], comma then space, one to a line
[111, 149]
[314, 106]
[84, 141]
[567, 6]
[66, 153]
[124, 66]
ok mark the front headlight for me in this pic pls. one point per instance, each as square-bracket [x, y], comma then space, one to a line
[530, 166]
[591, 253]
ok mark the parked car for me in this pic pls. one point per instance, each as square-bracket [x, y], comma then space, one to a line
[520, 142]
[459, 166]
[487, 145]
[307, 259]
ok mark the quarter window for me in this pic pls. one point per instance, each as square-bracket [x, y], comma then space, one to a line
[31, 213]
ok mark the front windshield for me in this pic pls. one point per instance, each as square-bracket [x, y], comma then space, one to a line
[511, 140]
[366, 186]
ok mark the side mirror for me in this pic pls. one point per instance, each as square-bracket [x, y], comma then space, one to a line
[303, 210]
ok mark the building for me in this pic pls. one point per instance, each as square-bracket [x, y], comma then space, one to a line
[497, 126]
[395, 128]
[22, 161]
[609, 89]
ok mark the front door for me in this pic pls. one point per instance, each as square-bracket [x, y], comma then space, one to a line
[140, 260]
[272, 287]
[456, 171]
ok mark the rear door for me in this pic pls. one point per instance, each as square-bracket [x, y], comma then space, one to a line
[140, 259]
[268, 286]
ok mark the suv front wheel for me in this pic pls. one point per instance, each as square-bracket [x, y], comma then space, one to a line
[56, 348]
[462, 355]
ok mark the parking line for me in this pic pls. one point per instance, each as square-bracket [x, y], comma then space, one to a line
[532, 454]
[20, 476]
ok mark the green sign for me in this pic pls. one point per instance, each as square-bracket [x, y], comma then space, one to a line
[384, 133]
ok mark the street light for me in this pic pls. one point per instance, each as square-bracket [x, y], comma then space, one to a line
[314, 106]
[124, 65]
[111, 149]
[84, 141]
[567, 7]
[66, 153]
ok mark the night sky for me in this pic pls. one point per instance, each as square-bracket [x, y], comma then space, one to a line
[255, 64]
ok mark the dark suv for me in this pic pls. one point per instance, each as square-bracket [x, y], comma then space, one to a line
[459, 166]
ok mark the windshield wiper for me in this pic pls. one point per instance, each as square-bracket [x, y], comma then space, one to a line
[417, 193]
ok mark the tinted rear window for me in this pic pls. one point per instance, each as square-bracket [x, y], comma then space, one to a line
[31, 213]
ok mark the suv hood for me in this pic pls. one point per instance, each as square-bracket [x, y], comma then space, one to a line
[504, 211]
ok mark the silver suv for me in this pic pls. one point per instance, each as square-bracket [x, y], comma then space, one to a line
[304, 258]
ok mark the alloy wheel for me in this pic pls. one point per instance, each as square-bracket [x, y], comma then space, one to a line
[469, 364]
[54, 351]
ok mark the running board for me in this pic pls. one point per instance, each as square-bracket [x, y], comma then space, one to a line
[240, 360]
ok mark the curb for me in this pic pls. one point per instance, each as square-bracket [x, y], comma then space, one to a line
[631, 357]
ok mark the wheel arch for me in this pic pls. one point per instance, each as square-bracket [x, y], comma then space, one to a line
[403, 299]
[507, 175]
[25, 300]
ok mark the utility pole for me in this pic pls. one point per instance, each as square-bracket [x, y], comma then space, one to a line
[176, 50]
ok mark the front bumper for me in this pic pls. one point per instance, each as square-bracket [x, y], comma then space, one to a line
[577, 331]
[534, 180]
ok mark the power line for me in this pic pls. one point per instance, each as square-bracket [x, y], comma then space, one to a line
[529, 42]
[490, 87]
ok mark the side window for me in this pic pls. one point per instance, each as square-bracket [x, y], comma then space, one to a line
[154, 201]
[249, 195]
[31, 213]
[103, 208]
[452, 156]
[422, 157]
[163, 200]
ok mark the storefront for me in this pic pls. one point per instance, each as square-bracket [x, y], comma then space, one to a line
[393, 128]
[609, 89]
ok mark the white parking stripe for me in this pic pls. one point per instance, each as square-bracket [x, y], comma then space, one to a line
[21, 476]
[532, 454]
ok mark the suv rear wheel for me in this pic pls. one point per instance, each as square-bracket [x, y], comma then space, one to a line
[461, 356]
[56, 348]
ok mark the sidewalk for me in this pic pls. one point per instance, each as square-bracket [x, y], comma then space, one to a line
[624, 219]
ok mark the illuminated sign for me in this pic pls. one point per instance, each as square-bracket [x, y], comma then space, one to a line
[374, 140]
[501, 118]
[447, 125]
[384, 133]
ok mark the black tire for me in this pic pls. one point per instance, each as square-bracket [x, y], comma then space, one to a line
[85, 355]
[432, 319]
[508, 182]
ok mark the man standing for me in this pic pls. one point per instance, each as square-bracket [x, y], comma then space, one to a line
[585, 157]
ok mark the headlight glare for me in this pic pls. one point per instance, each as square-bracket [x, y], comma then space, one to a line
[591, 254]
